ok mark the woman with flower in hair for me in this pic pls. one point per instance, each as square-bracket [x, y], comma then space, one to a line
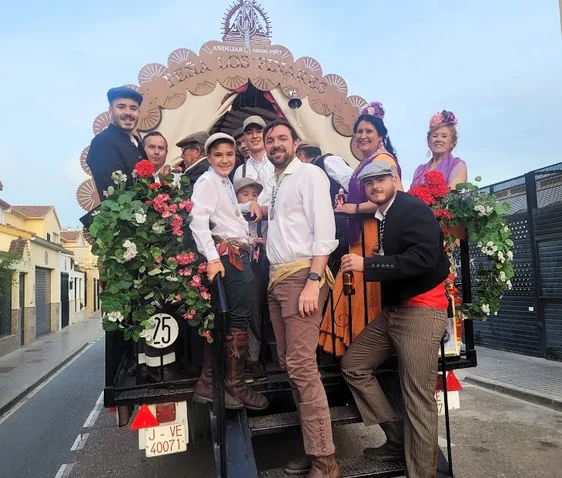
[442, 138]
[372, 140]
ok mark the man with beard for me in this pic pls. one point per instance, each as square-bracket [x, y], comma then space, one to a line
[301, 237]
[412, 266]
[116, 148]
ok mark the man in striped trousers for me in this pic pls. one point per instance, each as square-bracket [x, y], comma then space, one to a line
[412, 266]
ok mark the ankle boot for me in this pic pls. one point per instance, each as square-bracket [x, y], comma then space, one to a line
[394, 447]
[204, 387]
[236, 344]
[324, 467]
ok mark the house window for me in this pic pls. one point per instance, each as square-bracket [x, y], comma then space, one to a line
[1, 216]
[56, 239]
[48, 237]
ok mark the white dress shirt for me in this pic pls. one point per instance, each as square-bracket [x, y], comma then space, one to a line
[301, 220]
[263, 172]
[338, 170]
[215, 213]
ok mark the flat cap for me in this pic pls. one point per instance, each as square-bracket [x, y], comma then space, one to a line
[215, 137]
[377, 169]
[306, 143]
[245, 182]
[193, 139]
[124, 92]
[239, 132]
[253, 120]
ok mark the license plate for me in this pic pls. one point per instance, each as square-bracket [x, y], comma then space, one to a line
[165, 440]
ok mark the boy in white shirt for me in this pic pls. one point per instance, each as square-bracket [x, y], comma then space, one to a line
[221, 235]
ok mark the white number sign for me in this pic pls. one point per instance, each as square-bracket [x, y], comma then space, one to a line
[166, 331]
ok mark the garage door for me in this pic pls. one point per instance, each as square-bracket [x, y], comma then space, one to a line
[43, 300]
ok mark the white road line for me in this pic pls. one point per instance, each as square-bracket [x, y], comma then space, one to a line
[442, 442]
[94, 414]
[24, 400]
[64, 470]
[79, 442]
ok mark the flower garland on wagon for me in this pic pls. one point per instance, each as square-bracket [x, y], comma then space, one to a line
[480, 214]
[147, 256]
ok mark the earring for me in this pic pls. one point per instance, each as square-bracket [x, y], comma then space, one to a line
[428, 154]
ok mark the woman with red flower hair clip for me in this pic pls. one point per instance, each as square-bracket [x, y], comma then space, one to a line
[442, 138]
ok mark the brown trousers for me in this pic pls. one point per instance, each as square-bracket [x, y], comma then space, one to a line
[297, 339]
[414, 334]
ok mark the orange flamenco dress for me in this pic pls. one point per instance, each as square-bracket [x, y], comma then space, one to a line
[346, 316]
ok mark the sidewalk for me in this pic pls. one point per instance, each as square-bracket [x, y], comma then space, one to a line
[528, 378]
[26, 368]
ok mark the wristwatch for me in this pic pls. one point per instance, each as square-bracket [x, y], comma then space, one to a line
[314, 276]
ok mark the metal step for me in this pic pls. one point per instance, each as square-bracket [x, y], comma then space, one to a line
[357, 467]
[269, 424]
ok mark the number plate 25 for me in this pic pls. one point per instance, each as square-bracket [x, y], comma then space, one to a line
[165, 331]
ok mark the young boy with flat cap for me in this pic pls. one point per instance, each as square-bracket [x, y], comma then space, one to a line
[221, 234]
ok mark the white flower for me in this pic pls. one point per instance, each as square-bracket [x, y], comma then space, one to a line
[509, 285]
[501, 257]
[137, 283]
[505, 229]
[503, 277]
[172, 279]
[140, 218]
[115, 317]
[485, 309]
[134, 174]
[146, 334]
[130, 250]
[479, 244]
[176, 181]
[158, 228]
[481, 210]
[95, 213]
[490, 249]
[119, 177]
[489, 210]
[509, 255]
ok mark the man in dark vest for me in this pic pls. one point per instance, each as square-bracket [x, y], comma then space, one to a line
[339, 174]
[195, 162]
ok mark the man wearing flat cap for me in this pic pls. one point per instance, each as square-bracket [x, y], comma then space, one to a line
[116, 148]
[412, 266]
[193, 153]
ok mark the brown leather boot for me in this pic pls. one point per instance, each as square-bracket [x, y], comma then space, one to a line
[324, 467]
[393, 449]
[236, 344]
[204, 387]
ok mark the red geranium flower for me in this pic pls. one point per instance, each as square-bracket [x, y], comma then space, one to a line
[154, 186]
[144, 168]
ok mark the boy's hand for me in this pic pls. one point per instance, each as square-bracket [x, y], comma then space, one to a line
[255, 211]
[214, 268]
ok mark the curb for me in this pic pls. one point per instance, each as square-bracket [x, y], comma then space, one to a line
[5, 408]
[517, 392]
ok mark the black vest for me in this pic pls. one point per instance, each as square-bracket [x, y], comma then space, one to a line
[334, 185]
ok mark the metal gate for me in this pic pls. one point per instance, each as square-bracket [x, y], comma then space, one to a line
[64, 300]
[6, 309]
[43, 300]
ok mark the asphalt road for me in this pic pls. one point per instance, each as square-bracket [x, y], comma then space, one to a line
[493, 435]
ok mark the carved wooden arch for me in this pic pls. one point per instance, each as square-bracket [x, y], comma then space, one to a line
[165, 87]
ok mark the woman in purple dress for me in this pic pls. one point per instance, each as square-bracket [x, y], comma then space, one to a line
[442, 138]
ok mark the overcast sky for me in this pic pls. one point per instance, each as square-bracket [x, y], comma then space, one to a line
[497, 64]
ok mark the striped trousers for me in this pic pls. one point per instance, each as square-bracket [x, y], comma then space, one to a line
[414, 334]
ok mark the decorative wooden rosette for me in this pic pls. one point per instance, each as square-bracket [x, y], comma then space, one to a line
[346, 114]
[155, 88]
[304, 68]
[266, 72]
[203, 79]
[182, 67]
[83, 163]
[328, 94]
[101, 122]
[89, 239]
[87, 195]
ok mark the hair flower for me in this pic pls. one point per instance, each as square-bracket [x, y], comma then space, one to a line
[447, 117]
[374, 108]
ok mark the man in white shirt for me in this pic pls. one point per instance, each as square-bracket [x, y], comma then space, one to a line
[300, 239]
[221, 235]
